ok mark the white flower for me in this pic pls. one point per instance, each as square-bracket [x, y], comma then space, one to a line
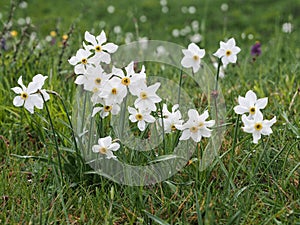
[113, 91]
[250, 104]
[170, 120]
[196, 127]
[105, 109]
[28, 96]
[257, 126]
[192, 57]
[93, 79]
[227, 52]
[141, 117]
[102, 51]
[81, 61]
[131, 79]
[146, 96]
[106, 147]
[287, 28]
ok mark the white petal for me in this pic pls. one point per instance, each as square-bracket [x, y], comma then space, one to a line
[73, 60]
[251, 97]
[96, 110]
[261, 103]
[186, 134]
[17, 90]
[256, 136]
[141, 125]
[90, 38]
[101, 38]
[240, 109]
[18, 101]
[193, 114]
[80, 80]
[96, 148]
[114, 147]
[110, 47]
[186, 62]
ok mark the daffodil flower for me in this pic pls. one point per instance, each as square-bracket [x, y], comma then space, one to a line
[29, 96]
[227, 52]
[196, 127]
[141, 117]
[106, 147]
[102, 51]
[113, 91]
[257, 126]
[250, 104]
[170, 120]
[192, 57]
[82, 60]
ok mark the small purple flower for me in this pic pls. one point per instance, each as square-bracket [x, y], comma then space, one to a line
[3, 44]
[256, 49]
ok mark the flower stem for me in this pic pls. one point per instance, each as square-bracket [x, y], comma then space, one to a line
[234, 141]
[55, 139]
[218, 74]
[180, 84]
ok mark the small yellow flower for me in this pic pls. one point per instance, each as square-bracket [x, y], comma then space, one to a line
[14, 33]
[53, 33]
[65, 37]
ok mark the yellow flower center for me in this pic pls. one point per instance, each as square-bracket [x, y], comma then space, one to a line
[258, 126]
[252, 110]
[196, 58]
[228, 53]
[107, 108]
[24, 95]
[103, 150]
[84, 61]
[201, 124]
[98, 48]
[173, 128]
[125, 81]
[114, 91]
[139, 117]
[143, 95]
[98, 80]
[194, 129]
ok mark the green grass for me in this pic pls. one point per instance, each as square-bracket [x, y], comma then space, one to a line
[264, 187]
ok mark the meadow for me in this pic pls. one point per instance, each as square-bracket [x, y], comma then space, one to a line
[44, 179]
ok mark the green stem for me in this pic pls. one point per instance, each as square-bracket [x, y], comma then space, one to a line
[180, 84]
[55, 139]
[234, 143]
[218, 74]
[163, 127]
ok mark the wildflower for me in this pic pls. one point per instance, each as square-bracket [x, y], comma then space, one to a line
[287, 28]
[53, 33]
[257, 126]
[131, 79]
[192, 57]
[65, 37]
[113, 91]
[250, 104]
[170, 120]
[196, 127]
[256, 49]
[106, 109]
[28, 96]
[81, 61]
[93, 79]
[141, 117]
[147, 96]
[97, 44]
[227, 52]
[14, 33]
[106, 147]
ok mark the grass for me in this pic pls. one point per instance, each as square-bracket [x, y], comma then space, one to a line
[255, 184]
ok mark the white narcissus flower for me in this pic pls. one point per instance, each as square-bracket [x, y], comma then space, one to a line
[141, 117]
[192, 57]
[97, 44]
[170, 120]
[196, 127]
[93, 79]
[257, 126]
[28, 96]
[82, 61]
[250, 104]
[227, 52]
[106, 109]
[113, 91]
[106, 147]
[147, 96]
